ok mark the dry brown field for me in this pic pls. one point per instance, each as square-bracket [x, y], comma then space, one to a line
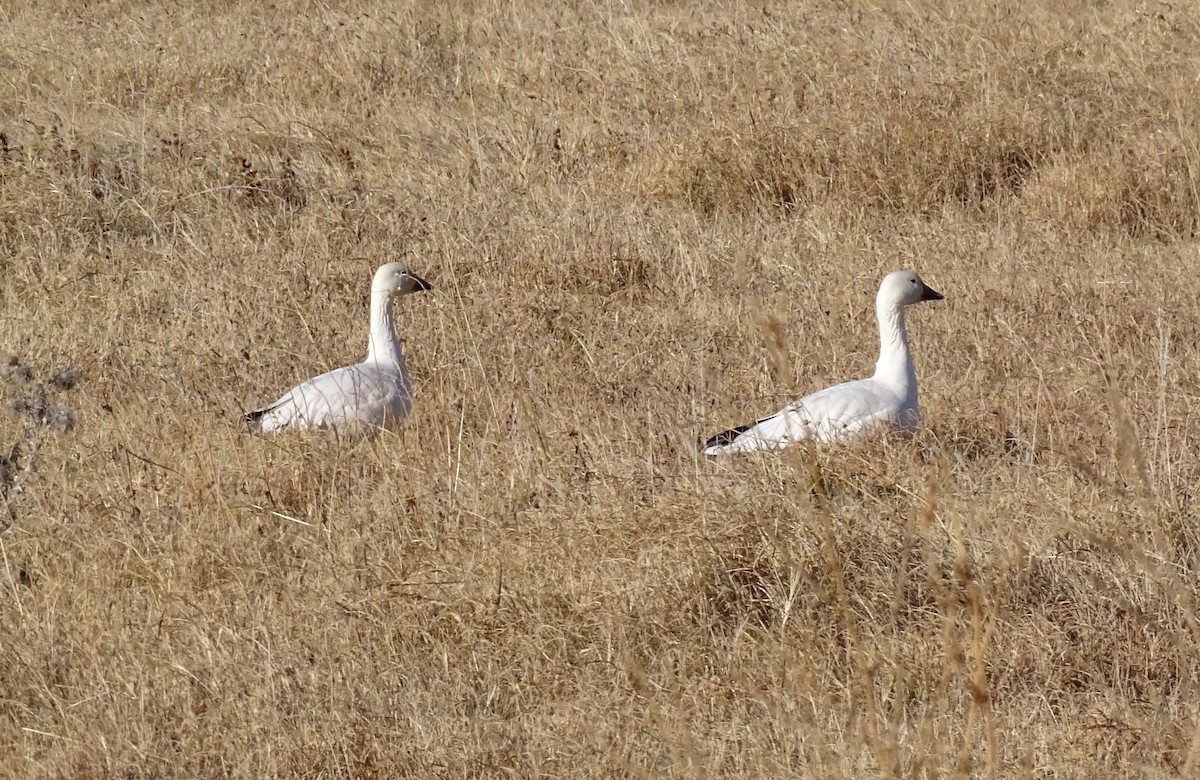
[645, 222]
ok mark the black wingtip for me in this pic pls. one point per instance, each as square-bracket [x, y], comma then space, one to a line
[726, 437]
[253, 419]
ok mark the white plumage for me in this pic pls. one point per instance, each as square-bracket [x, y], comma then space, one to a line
[886, 400]
[362, 398]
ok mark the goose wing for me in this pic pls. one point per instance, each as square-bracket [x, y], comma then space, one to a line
[361, 395]
[834, 414]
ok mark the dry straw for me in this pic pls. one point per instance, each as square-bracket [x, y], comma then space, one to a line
[538, 575]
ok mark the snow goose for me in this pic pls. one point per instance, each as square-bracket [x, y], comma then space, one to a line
[361, 398]
[886, 400]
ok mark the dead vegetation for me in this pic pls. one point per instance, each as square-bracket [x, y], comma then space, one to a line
[645, 223]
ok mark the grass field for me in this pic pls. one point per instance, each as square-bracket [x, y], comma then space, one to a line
[645, 222]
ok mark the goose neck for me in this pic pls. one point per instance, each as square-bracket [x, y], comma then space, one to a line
[895, 361]
[383, 346]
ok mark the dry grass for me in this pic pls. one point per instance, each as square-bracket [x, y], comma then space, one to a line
[645, 222]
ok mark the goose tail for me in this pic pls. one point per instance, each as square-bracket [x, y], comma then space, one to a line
[723, 441]
[254, 419]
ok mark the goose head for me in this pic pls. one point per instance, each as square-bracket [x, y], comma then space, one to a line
[904, 288]
[395, 279]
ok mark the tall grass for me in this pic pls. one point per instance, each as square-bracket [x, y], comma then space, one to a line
[644, 223]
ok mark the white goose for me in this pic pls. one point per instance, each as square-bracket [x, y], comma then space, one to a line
[362, 398]
[886, 400]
